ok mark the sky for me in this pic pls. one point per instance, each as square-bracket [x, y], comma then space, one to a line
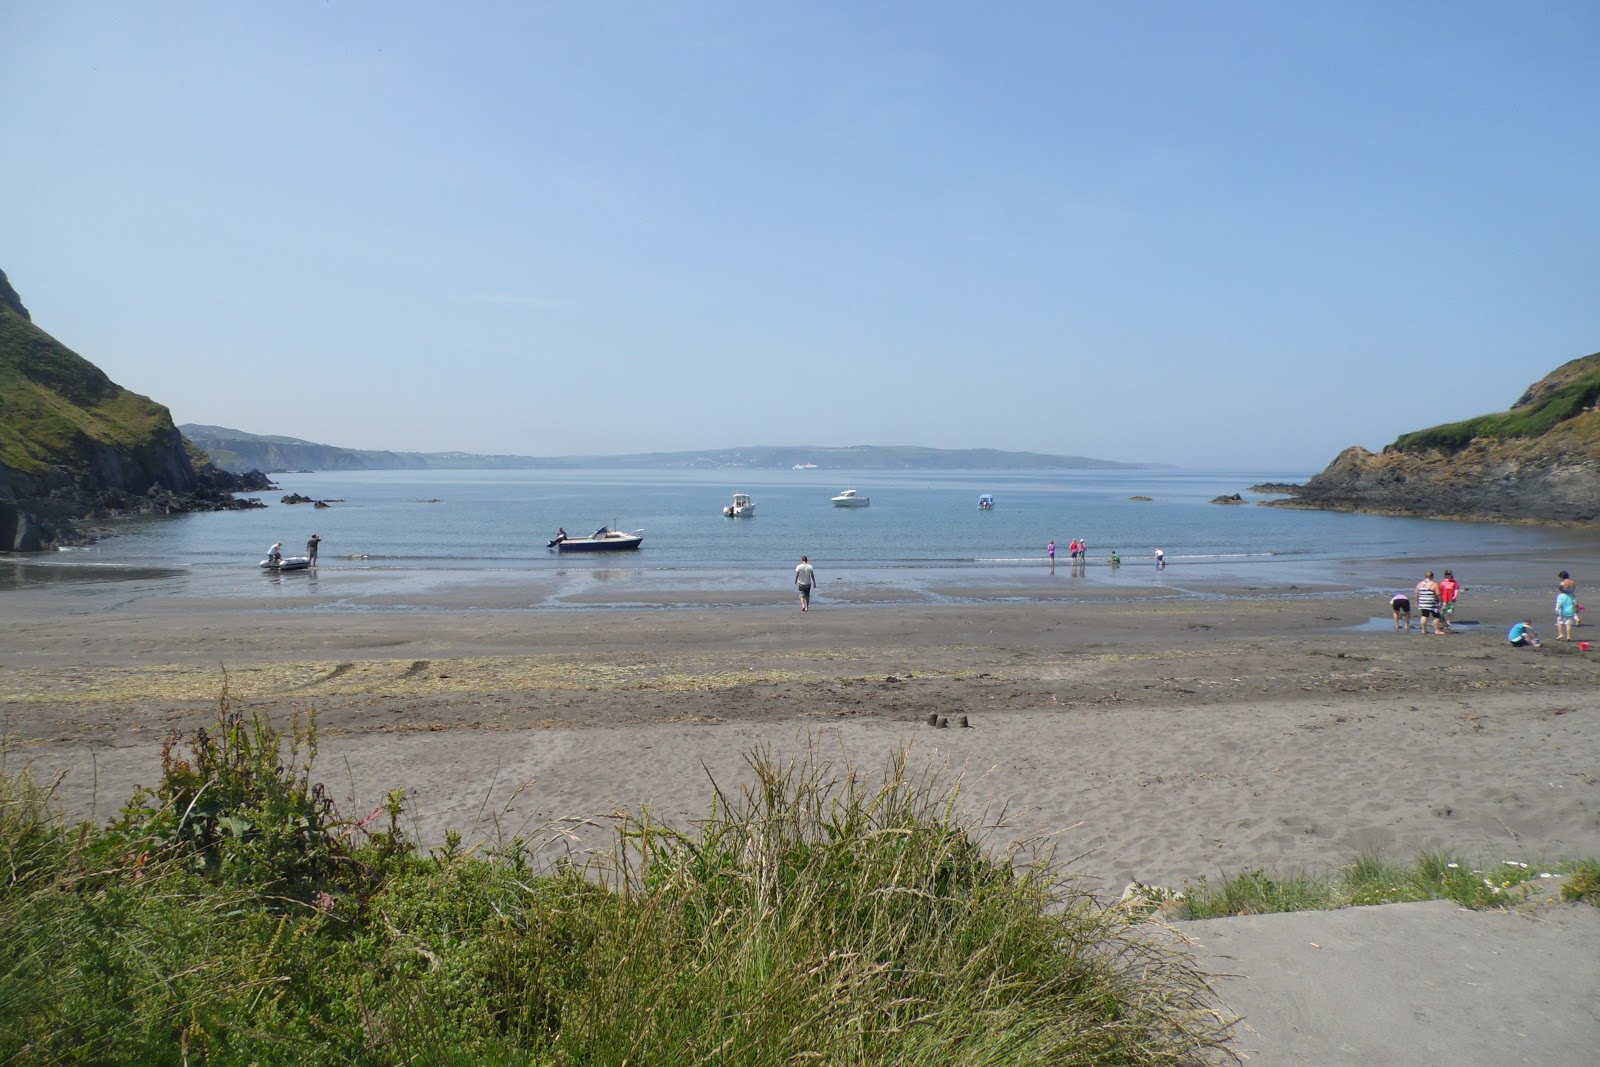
[1234, 234]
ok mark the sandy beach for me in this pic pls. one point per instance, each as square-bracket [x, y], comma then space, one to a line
[1163, 738]
[1157, 739]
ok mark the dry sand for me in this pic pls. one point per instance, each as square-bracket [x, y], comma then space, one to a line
[1157, 739]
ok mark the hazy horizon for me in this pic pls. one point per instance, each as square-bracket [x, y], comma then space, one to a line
[1226, 236]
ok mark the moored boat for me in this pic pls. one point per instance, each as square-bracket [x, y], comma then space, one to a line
[742, 507]
[604, 539]
[287, 563]
[986, 502]
[850, 499]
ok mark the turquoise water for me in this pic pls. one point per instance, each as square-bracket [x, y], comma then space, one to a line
[403, 532]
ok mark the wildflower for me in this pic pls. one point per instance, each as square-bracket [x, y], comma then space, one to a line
[1454, 866]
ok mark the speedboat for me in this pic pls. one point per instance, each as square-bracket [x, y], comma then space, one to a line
[741, 507]
[850, 499]
[604, 539]
[287, 563]
[986, 502]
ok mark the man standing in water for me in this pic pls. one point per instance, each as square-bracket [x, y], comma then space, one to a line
[804, 578]
[311, 548]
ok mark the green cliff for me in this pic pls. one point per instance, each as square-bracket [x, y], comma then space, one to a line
[75, 446]
[1537, 462]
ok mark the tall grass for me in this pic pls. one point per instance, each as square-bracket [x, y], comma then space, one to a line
[818, 915]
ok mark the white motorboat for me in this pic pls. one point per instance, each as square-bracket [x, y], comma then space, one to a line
[850, 499]
[986, 502]
[741, 507]
[287, 563]
[604, 539]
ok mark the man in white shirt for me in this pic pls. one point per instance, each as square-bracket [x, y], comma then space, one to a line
[804, 578]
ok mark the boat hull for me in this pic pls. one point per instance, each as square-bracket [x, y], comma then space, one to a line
[607, 544]
[288, 563]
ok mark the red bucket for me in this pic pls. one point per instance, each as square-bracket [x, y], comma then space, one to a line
[1583, 646]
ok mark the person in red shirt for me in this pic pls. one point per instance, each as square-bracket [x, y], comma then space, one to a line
[1449, 590]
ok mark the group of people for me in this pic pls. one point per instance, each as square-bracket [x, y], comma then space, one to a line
[1078, 550]
[1435, 602]
[1569, 614]
[275, 553]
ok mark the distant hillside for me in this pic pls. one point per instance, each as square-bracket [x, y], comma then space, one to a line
[76, 446]
[1537, 462]
[239, 451]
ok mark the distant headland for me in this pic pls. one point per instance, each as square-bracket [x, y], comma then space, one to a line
[236, 450]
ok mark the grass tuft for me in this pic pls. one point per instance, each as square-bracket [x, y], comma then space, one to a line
[819, 915]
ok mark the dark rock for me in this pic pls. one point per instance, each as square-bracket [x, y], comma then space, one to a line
[1234, 499]
[296, 498]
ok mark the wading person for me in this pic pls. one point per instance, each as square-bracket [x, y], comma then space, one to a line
[805, 576]
[311, 548]
[1428, 602]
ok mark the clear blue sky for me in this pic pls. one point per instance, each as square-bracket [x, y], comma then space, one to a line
[1229, 234]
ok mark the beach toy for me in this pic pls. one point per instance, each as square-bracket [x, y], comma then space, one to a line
[1583, 646]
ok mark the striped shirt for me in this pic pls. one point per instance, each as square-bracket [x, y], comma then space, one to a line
[1427, 596]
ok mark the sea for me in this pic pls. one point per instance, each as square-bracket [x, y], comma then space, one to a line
[398, 540]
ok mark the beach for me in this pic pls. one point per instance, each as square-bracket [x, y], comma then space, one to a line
[1164, 738]
[1159, 739]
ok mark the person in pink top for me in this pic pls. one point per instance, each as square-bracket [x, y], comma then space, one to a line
[1449, 590]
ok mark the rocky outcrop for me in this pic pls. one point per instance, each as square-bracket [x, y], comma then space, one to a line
[1538, 462]
[76, 448]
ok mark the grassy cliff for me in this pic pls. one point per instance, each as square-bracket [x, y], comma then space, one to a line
[1537, 462]
[1562, 401]
[74, 445]
[58, 410]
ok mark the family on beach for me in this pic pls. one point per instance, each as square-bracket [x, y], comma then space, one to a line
[1078, 550]
[1436, 601]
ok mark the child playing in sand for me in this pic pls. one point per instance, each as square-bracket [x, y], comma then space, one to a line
[1522, 635]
